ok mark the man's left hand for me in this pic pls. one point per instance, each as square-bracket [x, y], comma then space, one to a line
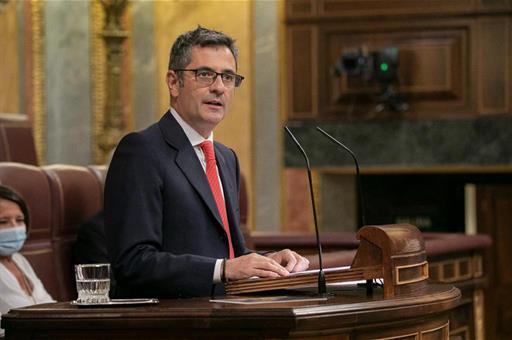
[289, 259]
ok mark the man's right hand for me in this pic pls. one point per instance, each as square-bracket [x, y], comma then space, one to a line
[253, 264]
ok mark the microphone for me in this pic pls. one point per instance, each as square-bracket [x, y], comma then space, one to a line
[358, 176]
[369, 283]
[322, 287]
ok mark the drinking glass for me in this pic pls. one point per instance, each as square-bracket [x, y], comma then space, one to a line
[92, 282]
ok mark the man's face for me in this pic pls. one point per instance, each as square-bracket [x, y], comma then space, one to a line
[203, 107]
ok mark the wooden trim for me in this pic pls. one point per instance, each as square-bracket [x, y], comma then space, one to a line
[478, 266]
[423, 276]
[439, 267]
[499, 64]
[401, 336]
[444, 169]
[461, 331]
[446, 326]
[36, 252]
[478, 314]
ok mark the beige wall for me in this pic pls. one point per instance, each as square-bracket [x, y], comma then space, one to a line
[234, 19]
[9, 72]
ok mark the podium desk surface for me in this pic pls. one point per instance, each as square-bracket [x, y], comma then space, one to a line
[348, 312]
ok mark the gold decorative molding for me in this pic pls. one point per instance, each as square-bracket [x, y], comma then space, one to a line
[38, 94]
[457, 269]
[3, 3]
[114, 36]
[478, 312]
[421, 267]
[108, 36]
[98, 83]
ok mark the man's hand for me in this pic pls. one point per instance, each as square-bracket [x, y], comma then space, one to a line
[253, 265]
[292, 261]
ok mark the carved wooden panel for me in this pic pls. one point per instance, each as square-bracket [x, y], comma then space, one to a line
[494, 203]
[301, 72]
[433, 73]
[394, 7]
[299, 9]
[454, 57]
[495, 71]
[437, 329]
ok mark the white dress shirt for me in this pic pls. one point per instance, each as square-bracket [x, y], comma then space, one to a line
[196, 139]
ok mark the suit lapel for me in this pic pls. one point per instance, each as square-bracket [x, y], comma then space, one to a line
[186, 160]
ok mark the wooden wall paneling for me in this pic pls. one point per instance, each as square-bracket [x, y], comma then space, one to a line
[461, 321]
[297, 10]
[493, 5]
[494, 203]
[301, 8]
[301, 72]
[315, 70]
[434, 69]
[432, 328]
[337, 8]
[494, 76]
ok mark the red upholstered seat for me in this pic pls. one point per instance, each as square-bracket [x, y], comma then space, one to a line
[100, 172]
[16, 140]
[77, 196]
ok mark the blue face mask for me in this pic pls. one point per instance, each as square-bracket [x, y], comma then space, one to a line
[12, 239]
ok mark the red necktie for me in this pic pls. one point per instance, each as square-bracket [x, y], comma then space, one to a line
[213, 179]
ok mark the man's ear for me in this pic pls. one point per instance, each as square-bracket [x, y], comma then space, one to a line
[173, 83]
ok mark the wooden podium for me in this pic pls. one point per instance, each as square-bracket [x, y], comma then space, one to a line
[394, 253]
[407, 307]
[349, 314]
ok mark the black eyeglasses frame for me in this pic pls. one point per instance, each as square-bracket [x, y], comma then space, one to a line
[236, 83]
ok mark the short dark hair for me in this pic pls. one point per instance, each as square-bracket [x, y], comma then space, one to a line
[180, 55]
[9, 194]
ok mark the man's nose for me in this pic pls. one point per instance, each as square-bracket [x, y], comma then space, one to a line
[218, 85]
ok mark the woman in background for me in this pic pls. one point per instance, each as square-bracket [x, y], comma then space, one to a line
[19, 284]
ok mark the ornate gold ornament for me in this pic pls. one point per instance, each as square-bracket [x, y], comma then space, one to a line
[3, 3]
[113, 36]
[38, 79]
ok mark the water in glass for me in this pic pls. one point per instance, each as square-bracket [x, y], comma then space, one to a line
[92, 282]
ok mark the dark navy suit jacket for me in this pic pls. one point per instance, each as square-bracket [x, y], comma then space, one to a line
[164, 231]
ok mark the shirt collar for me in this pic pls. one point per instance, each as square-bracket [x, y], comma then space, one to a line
[193, 136]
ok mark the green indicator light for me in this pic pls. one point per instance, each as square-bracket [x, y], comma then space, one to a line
[384, 67]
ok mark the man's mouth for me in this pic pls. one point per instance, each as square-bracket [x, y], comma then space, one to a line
[214, 102]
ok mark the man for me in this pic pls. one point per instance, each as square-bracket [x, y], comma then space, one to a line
[171, 199]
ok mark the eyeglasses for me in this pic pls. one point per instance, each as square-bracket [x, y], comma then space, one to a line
[207, 77]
